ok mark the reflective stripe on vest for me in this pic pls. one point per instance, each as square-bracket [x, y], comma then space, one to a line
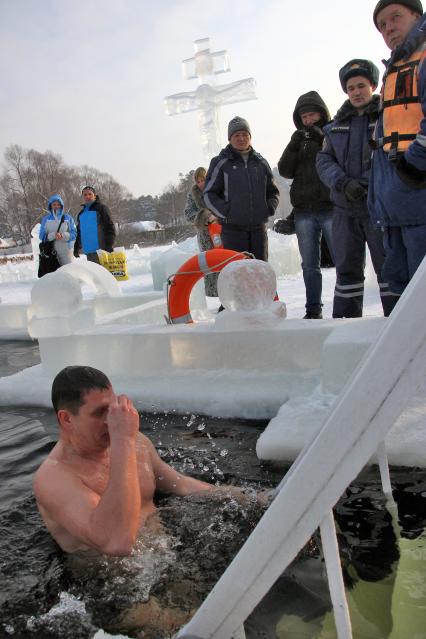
[401, 105]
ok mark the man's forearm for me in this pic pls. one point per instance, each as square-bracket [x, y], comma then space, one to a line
[117, 516]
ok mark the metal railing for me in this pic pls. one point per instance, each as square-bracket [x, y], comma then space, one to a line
[368, 406]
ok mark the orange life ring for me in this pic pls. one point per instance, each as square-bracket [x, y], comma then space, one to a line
[182, 282]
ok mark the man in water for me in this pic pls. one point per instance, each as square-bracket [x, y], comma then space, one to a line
[95, 489]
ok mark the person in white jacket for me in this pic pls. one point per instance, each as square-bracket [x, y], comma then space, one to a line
[65, 235]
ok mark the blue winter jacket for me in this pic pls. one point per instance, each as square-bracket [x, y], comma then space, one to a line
[240, 194]
[346, 154]
[395, 199]
[68, 225]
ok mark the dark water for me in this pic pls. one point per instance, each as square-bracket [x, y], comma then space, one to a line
[171, 573]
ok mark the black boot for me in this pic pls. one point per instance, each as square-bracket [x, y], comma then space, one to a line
[313, 315]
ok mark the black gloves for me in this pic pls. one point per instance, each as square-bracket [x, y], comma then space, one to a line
[296, 140]
[314, 133]
[285, 225]
[354, 190]
[309, 133]
[410, 174]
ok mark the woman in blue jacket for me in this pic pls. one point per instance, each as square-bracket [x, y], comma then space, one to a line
[65, 235]
[95, 228]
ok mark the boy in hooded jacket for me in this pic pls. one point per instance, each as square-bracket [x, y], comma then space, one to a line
[344, 164]
[312, 207]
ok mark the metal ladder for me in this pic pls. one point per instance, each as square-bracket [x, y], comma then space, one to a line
[368, 406]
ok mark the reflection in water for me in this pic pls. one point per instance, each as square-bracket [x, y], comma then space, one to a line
[23, 444]
[17, 355]
[384, 571]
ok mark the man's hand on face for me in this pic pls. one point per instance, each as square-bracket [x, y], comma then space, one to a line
[122, 419]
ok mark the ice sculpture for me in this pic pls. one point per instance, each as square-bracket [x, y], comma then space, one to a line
[247, 285]
[247, 289]
[208, 96]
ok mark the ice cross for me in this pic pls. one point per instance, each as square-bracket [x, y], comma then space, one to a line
[208, 96]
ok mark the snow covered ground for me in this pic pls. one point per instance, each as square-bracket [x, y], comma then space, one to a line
[17, 279]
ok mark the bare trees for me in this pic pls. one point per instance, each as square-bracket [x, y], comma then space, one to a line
[16, 193]
[171, 203]
[29, 178]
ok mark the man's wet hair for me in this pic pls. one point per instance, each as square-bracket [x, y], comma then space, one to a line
[71, 385]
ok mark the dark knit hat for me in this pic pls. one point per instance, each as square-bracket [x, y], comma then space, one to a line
[359, 67]
[414, 5]
[238, 124]
[307, 108]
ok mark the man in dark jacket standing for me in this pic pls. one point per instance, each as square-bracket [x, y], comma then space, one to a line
[241, 193]
[397, 201]
[310, 198]
[344, 165]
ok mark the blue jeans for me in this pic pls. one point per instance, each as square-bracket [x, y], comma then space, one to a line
[310, 226]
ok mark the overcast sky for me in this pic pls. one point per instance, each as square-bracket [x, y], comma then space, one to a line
[86, 78]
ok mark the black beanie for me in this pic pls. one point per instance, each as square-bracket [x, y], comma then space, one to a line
[414, 5]
[359, 67]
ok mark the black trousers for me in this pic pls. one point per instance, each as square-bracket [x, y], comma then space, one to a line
[93, 257]
[254, 240]
[350, 236]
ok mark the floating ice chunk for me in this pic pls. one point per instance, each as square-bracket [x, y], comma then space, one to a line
[247, 285]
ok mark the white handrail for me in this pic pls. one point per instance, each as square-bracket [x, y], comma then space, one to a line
[368, 406]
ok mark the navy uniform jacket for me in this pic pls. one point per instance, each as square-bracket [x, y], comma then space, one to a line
[346, 154]
[396, 198]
